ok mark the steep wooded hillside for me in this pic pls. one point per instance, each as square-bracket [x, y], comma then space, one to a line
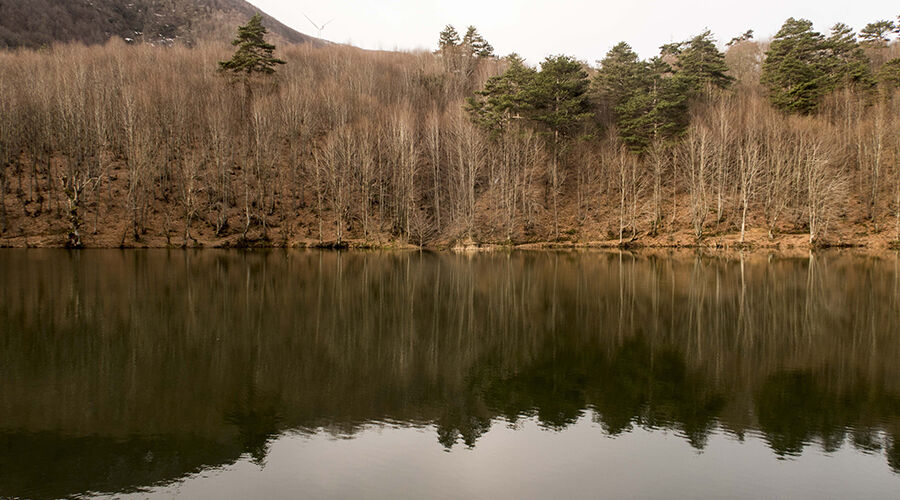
[455, 147]
[35, 23]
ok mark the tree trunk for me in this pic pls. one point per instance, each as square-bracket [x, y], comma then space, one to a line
[2, 200]
[555, 184]
[743, 221]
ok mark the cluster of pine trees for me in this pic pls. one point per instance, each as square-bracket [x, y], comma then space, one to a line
[687, 109]
[138, 145]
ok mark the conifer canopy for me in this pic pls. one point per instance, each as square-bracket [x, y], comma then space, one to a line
[254, 54]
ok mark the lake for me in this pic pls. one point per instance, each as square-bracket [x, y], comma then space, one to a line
[318, 374]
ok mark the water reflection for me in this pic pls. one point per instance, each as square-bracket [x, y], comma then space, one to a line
[123, 370]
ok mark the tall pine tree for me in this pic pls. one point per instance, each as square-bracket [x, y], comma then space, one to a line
[560, 103]
[877, 34]
[448, 38]
[702, 63]
[648, 99]
[560, 94]
[253, 54]
[802, 65]
[476, 44]
[847, 63]
[504, 97]
[795, 70]
[622, 84]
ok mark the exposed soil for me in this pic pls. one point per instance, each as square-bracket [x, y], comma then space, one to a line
[40, 221]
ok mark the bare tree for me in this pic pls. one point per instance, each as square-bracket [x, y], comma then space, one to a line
[750, 162]
[405, 158]
[266, 151]
[433, 143]
[367, 150]
[723, 137]
[79, 145]
[467, 163]
[825, 184]
[628, 186]
[896, 173]
[141, 149]
[658, 158]
[7, 146]
[698, 175]
[377, 145]
[337, 156]
[872, 152]
[776, 180]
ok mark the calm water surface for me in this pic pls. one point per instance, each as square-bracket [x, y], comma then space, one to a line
[153, 374]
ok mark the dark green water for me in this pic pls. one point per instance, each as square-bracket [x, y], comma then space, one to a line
[404, 375]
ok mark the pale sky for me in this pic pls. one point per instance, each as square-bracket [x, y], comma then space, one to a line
[581, 28]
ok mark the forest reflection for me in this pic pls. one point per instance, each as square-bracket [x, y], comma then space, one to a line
[122, 369]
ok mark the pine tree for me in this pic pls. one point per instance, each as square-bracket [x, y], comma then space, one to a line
[877, 33]
[794, 71]
[560, 95]
[847, 63]
[621, 72]
[889, 74]
[254, 54]
[700, 61]
[476, 44]
[744, 37]
[622, 82]
[802, 66]
[560, 103]
[670, 92]
[448, 38]
[649, 99]
[504, 97]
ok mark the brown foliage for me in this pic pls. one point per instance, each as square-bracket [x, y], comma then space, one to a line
[128, 145]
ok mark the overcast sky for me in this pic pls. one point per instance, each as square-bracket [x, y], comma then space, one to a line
[582, 28]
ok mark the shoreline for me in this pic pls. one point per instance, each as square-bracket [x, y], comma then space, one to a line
[717, 243]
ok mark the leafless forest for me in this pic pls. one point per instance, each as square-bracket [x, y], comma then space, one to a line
[134, 145]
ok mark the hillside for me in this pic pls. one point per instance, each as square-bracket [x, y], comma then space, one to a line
[34, 23]
[382, 148]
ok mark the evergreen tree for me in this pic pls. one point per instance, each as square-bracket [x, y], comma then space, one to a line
[701, 62]
[794, 71]
[745, 37]
[476, 44]
[462, 57]
[847, 63]
[670, 92]
[802, 65]
[621, 72]
[878, 33]
[555, 97]
[559, 98]
[623, 82]
[448, 38]
[649, 100]
[504, 97]
[560, 95]
[889, 74]
[254, 54]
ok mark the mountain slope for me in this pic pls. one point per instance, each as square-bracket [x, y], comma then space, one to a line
[33, 23]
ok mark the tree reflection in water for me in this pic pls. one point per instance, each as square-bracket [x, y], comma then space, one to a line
[195, 358]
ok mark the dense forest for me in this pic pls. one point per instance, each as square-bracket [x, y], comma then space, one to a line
[792, 140]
